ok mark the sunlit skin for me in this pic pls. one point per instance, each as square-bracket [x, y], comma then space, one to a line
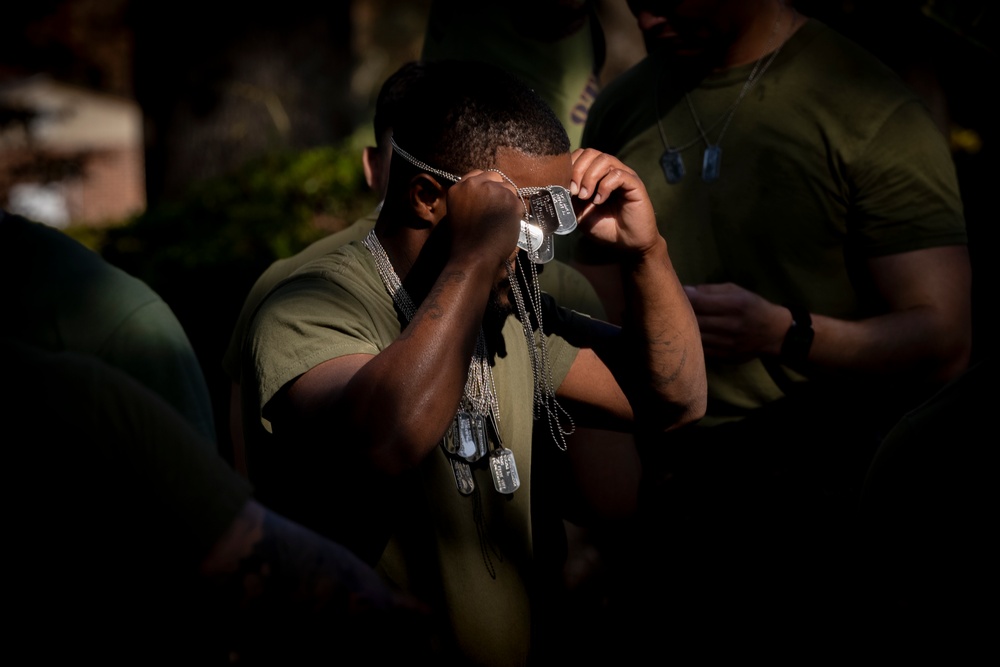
[524, 171]
[449, 244]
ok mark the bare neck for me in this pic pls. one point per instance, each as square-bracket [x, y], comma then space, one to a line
[405, 240]
[761, 31]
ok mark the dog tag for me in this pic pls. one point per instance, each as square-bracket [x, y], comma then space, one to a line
[552, 210]
[466, 436]
[450, 440]
[463, 476]
[673, 166]
[711, 164]
[530, 237]
[504, 470]
[563, 204]
[480, 438]
[543, 211]
[546, 252]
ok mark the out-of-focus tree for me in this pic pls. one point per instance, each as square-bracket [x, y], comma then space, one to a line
[222, 82]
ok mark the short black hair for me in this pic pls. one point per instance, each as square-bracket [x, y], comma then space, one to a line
[393, 101]
[461, 113]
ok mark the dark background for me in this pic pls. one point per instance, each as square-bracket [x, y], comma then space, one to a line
[205, 75]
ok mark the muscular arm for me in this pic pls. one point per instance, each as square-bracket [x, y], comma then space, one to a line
[398, 404]
[927, 329]
[657, 361]
[925, 332]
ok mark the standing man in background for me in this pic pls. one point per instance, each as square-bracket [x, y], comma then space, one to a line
[812, 208]
[555, 46]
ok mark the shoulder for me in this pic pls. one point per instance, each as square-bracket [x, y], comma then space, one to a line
[48, 256]
[349, 263]
[821, 60]
[60, 274]
[282, 268]
[278, 271]
[340, 284]
[333, 306]
[843, 96]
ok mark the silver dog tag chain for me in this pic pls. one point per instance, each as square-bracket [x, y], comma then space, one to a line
[468, 439]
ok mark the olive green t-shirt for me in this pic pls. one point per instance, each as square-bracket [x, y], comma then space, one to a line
[830, 160]
[63, 296]
[567, 285]
[470, 557]
[278, 271]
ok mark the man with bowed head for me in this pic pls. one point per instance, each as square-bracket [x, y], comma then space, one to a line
[566, 284]
[386, 437]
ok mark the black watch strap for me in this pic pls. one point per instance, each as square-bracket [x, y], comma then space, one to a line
[798, 338]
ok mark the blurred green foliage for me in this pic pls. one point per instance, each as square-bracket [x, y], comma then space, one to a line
[203, 252]
[271, 207]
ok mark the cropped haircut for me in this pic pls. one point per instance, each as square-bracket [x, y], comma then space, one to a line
[394, 99]
[462, 113]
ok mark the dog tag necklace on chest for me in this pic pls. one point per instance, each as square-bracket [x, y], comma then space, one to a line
[711, 164]
[468, 438]
[549, 209]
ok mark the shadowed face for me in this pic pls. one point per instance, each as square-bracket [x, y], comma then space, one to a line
[527, 171]
[687, 28]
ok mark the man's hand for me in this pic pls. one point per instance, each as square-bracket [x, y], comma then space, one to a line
[925, 333]
[655, 369]
[737, 324]
[612, 205]
[484, 213]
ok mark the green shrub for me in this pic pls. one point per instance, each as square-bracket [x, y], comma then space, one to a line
[270, 208]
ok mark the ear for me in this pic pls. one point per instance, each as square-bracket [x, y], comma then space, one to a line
[428, 198]
[376, 163]
[372, 163]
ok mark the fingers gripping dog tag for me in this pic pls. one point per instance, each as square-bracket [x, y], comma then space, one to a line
[504, 470]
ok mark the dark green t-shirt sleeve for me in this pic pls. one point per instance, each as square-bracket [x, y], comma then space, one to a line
[906, 194]
[117, 457]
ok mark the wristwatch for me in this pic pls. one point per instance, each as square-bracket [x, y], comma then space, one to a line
[798, 338]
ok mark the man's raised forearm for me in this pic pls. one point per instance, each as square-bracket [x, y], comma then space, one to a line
[661, 333]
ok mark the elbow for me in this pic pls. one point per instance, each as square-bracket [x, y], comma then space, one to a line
[393, 457]
[953, 359]
[694, 409]
[681, 410]
[951, 348]
[393, 452]
[697, 409]
[692, 404]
